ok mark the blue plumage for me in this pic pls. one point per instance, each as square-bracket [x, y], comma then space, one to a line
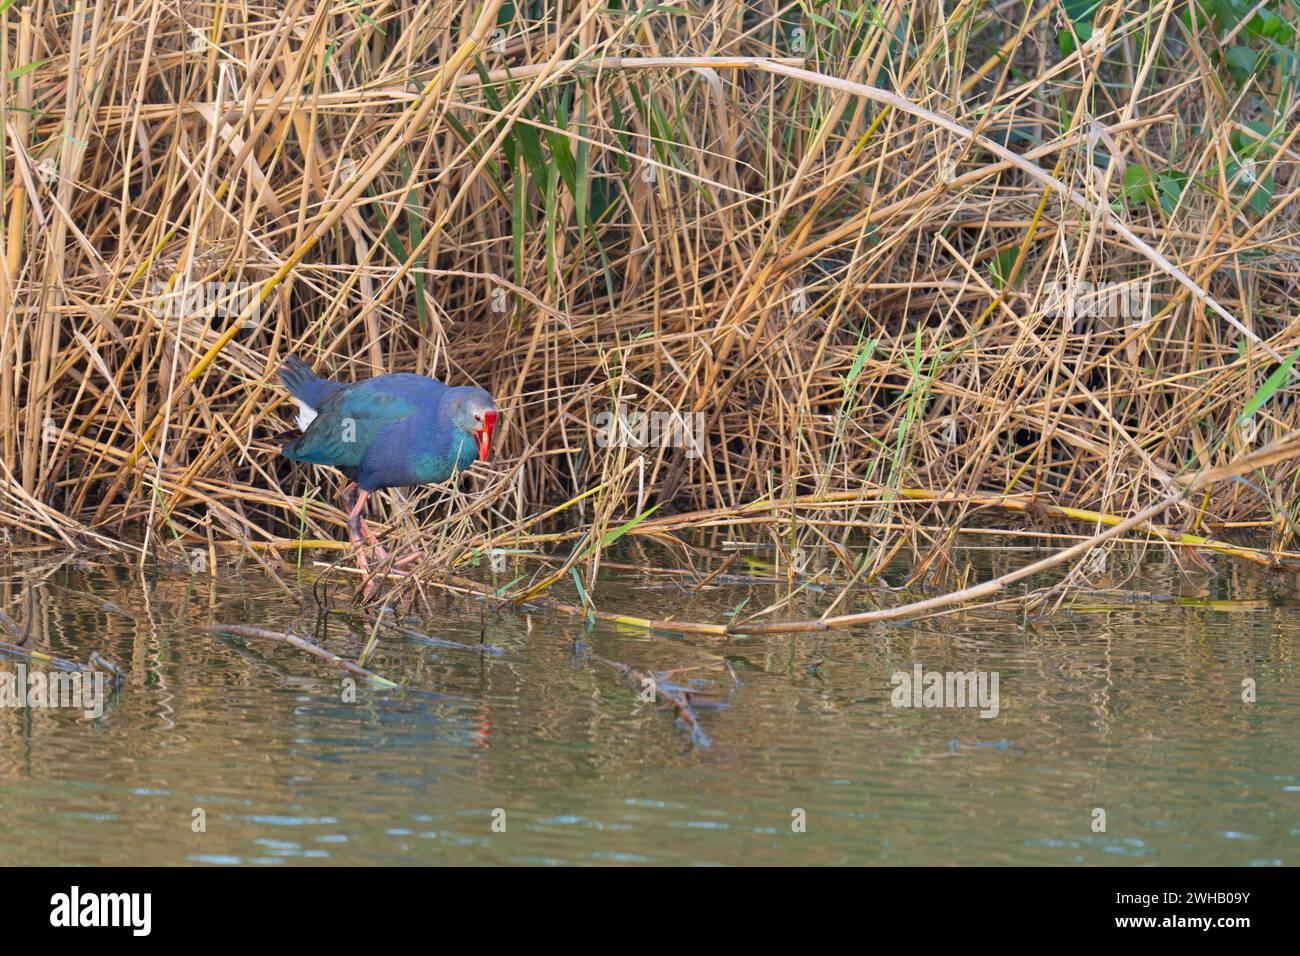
[391, 430]
[386, 432]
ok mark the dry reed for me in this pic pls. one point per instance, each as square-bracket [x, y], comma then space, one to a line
[894, 255]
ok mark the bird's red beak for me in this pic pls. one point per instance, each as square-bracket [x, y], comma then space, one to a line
[484, 435]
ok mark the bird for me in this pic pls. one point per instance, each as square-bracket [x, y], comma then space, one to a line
[390, 431]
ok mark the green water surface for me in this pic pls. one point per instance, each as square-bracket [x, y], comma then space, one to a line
[1129, 703]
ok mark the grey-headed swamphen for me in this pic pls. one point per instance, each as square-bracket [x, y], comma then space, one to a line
[385, 432]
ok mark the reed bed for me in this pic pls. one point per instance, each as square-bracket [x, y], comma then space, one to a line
[908, 262]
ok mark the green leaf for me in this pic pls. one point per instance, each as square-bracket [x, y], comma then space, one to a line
[1229, 12]
[26, 68]
[1269, 388]
[1138, 184]
[1169, 187]
[1244, 145]
[1001, 265]
[1260, 190]
[611, 536]
[860, 362]
[519, 212]
[1065, 38]
[1262, 198]
[1165, 188]
[1080, 11]
[1269, 26]
[1080, 14]
[577, 583]
[1242, 62]
[582, 195]
[563, 160]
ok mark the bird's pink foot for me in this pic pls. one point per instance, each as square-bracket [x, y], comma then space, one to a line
[363, 538]
[358, 532]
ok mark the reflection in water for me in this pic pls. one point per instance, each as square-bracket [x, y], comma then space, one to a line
[1128, 705]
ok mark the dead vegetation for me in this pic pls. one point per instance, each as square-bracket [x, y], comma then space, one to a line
[900, 257]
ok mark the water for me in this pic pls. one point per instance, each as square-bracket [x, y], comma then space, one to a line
[1127, 704]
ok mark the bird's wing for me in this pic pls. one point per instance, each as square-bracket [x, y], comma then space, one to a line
[347, 424]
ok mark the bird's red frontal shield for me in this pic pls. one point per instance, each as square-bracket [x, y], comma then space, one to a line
[484, 435]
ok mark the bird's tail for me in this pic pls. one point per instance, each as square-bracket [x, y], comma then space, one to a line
[304, 384]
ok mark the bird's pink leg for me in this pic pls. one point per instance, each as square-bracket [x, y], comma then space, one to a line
[362, 525]
[350, 489]
[361, 534]
[372, 540]
[355, 524]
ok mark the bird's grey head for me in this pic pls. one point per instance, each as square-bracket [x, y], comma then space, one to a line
[472, 410]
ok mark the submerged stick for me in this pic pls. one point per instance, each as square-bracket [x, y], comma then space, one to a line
[491, 650]
[58, 663]
[678, 700]
[247, 630]
[22, 633]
